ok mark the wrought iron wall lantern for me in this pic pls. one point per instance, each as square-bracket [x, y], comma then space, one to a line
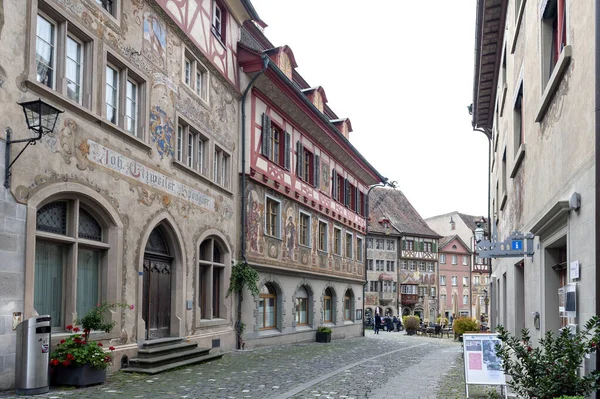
[41, 119]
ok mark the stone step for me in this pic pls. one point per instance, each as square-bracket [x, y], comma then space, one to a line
[165, 349]
[158, 360]
[171, 366]
[153, 343]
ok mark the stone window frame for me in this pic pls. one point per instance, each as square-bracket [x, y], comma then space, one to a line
[206, 276]
[196, 66]
[304, 239]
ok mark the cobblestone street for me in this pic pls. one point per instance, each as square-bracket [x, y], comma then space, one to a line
[388, 365]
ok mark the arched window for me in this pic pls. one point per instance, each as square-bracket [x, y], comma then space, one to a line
[348, 305]
[267, 307]
[70, 260]
[301, 307]
[211, 270]
[328, 306]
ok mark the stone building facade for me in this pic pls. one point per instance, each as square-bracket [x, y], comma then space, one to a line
[132, 198]
[304, 198]
[534, 99]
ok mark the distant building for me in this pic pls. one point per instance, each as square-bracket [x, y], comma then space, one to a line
[463, 226]
[395, 227]
[454, 277]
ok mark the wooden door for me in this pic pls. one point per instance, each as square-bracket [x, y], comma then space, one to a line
[156, 309]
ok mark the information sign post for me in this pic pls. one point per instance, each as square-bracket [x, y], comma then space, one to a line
[482, 366]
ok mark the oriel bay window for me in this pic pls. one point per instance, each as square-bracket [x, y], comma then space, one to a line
[267, 308]
[276, 143]
[71, 250]
[63, 56]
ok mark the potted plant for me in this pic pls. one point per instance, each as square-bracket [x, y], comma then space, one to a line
[463, 324]
[79, 361]
[411, 324]
[324, 334]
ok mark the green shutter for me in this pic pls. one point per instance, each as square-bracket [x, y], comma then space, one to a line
[403, 243]
[266, 136]
[434, 247]
[299, 156]
[316, 170]
[334, 184]
[286, 154]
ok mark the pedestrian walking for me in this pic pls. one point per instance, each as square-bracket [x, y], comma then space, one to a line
[388, 324]
[377, 323]
[395, 321]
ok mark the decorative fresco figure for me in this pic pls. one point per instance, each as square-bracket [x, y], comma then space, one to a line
[155, 37]
[325, 177]
[253, 223]
[161, 131]
[290, 236]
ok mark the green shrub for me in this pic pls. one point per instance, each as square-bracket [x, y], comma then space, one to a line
[411, 322]
[571, 397]
[463, 324]
[552, 368]
[324, 330]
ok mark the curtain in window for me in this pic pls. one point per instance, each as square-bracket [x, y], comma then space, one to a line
[48, 287]
[88, 275]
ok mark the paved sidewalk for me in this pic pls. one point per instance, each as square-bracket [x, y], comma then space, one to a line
[388, 365]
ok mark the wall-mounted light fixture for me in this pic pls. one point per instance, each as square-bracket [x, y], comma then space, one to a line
[41, 119]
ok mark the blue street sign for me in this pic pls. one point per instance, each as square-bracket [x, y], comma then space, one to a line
[517, 245]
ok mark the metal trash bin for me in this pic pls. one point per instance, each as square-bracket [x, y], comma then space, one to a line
[32, 359]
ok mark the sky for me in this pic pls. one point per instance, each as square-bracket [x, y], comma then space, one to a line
[402, 71]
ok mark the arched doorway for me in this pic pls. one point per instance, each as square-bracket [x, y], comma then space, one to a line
[156, 309]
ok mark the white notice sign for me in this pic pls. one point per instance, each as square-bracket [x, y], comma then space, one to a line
[482, 366]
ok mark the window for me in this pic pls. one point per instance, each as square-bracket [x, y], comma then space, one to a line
[465, 299]
[369, 243]
[359, 249]
[430, 267]
[301, 307]
[123, 97]
[373, 286]
[421, 266]
[218, 21]
[442, 298]
[273, 218]
[443, 258]
[409, 245]
[211, 269]
[432, 292]
[307, 165]
[370, 264]
[487, 280]
[195, 75]
[337, 241]
[454, 281]
[404, 264]
[304, 230]
[379, 243]
[465, 281]
[519, 132]
[554, 35]
[427, 246]
[322, 236]
[390, 266]
[476, 280]
[349, 239]
[409, 289]
[191, 147]
[348, 305]
[391, 245]
[328, 306]
[379, 265]
[62, 56]
[442, 280]
[275, 144]
[465, 260]
[57, 267]
[221, 167]
[267, 308]
[109, 5]
[337, 186]
[412, 265]
[454, 259]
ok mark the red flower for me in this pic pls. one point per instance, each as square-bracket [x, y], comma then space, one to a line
[66, 363]
[593, 344]
[54, 362]
[100, 344]
[70, 357]
[111, 348]
[76, 329]
[69, 327]
[87, 330]
[62, 341]
[529, 349]
[131, 307]
[98, 305]
[77, 340]
[107, 359]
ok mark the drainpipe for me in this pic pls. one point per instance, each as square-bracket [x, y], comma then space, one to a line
[597, 164]
[243, 189]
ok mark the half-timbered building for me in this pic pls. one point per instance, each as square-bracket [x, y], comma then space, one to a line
[304, 197]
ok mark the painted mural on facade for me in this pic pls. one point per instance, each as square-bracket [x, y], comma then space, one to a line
[161, 132]
[155, 39]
